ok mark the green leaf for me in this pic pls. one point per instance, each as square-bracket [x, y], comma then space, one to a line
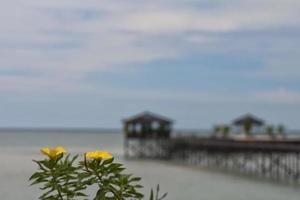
[135, 179]
[108, 161]
[163, 196]
[151, 195]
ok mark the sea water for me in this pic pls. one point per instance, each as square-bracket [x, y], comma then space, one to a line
[18, 148]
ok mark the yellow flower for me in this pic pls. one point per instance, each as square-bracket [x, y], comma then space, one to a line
[98, 155]
[53, 152]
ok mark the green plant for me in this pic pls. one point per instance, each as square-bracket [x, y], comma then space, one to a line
[248, 127]
[64, 178]
[225, 130]
[156, 195]
[111, 182]
[281, 129]
[216, 129]
[270, 130]
[60, 178]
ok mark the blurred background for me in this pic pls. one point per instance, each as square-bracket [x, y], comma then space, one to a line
[71, 72]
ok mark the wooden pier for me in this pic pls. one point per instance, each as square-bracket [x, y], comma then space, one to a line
[276, 159]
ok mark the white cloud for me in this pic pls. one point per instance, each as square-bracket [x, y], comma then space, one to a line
[233, 16]
[281, 95]
[170, 22]
[40, 85]
[54, 39]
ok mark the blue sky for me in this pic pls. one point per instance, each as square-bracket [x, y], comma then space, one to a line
[74, 63]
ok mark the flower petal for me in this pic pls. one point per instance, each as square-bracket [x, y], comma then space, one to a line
[45, 151]
[98, 155]
[53, 152]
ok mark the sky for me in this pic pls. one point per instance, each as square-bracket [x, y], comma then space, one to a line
[91, 63]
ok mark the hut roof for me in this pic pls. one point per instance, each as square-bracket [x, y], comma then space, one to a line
[248, 118]
[148, 117]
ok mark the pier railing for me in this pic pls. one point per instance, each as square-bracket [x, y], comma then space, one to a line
[273, 159]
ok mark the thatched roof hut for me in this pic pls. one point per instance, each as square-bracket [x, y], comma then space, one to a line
[248, 119]
[147, 124]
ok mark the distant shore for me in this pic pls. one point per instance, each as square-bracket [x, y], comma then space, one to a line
[74, 130]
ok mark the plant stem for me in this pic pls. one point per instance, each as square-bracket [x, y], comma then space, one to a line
[59, 194]
[56, 184]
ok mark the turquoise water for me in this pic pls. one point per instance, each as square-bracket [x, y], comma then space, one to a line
[17, 149]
